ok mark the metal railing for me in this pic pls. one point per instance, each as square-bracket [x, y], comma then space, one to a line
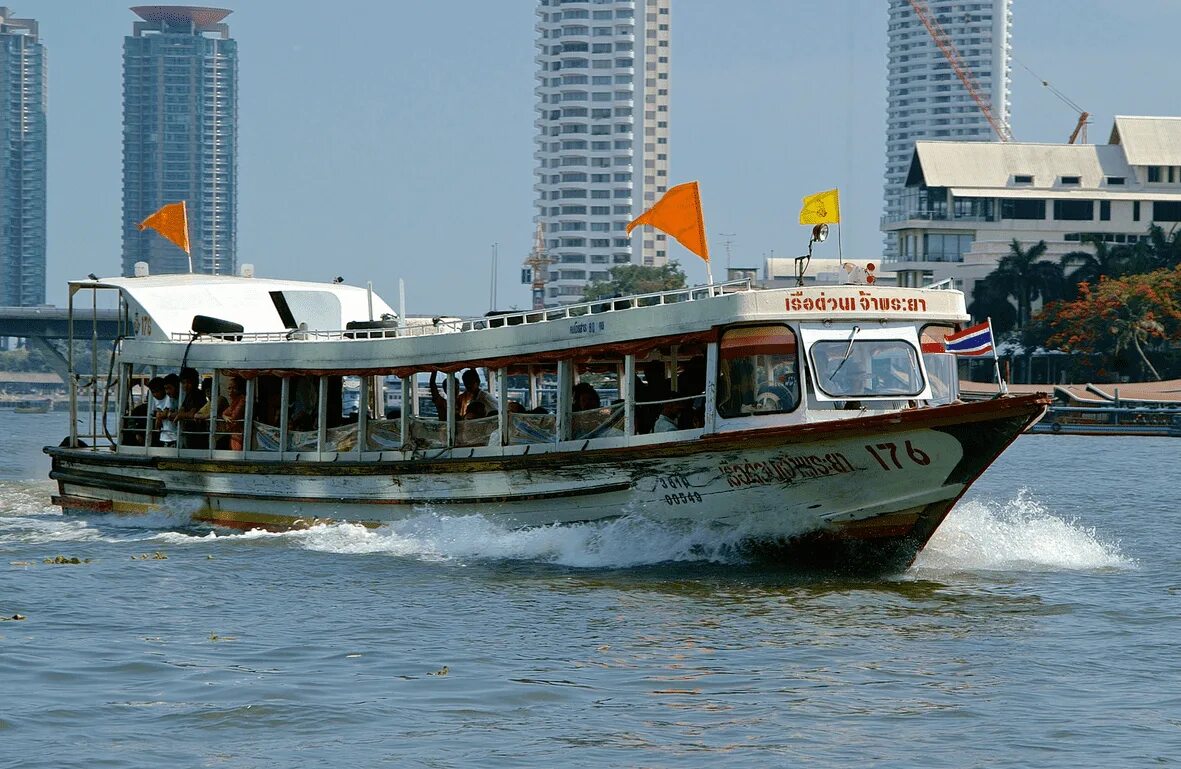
[462, 325]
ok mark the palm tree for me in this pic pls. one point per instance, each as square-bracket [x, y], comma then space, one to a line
[1090, 266]
[991, 300]
[1164, 249]
[1022, 275]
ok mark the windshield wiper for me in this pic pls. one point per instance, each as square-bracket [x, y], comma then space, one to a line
[848, 350]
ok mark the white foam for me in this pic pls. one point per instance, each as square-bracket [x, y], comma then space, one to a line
[623, 542]
[1017, 535]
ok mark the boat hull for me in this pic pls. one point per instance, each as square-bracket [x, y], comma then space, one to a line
[866, 490]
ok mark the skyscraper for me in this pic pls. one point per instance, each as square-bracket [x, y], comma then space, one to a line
[22, 162]
[180, 136]
[925, 99]
[602, 135]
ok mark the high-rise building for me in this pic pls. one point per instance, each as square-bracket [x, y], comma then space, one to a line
[180, 136]
[925, 98]
[22, 163]
[602, 136]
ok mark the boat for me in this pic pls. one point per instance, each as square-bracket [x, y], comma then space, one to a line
[1138, 408]
[35, 406]
[820, 423]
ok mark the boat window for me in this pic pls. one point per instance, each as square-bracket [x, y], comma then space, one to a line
[942, 367]
[597, 411]
[758, 371]
[866, 368]
[533, 401]
[670, 389]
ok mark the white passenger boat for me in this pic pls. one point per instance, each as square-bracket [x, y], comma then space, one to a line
[823, 420]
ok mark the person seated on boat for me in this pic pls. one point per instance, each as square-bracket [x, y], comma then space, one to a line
[305, 403]
[585, 397]
[476, 410]
[736, 396]
[670, 415]
[692, 382]
[193, 432]
[232, 420]
[135, 425]
[160, 408]
[472, 394]
[654, 387]
[513, 408]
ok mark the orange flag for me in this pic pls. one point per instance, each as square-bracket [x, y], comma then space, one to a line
[679, 214]
[172, 222]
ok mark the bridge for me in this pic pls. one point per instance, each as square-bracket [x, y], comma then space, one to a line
[40, 324]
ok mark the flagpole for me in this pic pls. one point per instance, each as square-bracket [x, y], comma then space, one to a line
[1002, 388]
[840, 251]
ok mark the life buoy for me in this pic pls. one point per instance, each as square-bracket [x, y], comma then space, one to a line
[1056, 427]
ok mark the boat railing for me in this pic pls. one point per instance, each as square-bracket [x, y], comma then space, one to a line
[459, 325]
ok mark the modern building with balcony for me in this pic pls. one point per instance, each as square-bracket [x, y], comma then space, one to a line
[180, 136]
[602, 136]
[22, 163]
[925, 98]
[965, 202]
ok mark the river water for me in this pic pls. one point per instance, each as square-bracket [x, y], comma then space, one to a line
[1038, 628]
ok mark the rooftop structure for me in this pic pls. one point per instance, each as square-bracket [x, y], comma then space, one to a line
[180, 131]
[22, 164]
[925, 99]
[966, 201]
[602, 136]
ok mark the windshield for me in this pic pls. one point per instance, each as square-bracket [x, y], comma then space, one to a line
[866, 368]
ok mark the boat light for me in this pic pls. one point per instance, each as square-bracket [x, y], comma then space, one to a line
[247, 270]
[141, 269]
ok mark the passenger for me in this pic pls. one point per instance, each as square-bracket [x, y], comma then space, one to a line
[194, 432]
[134, 425]
[475, 410]
[472, 394]
[585, 397]
[438, 399]
[160, 408]
[654, 387]
[737, 394]
[305, 403]
[669, 418]
[232, 419]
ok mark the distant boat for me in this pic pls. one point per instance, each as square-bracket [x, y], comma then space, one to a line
[1135, 408]
[36, 406]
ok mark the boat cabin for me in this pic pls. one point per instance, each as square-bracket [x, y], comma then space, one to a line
[269, 370]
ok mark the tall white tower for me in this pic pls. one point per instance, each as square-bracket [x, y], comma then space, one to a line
[925, 99]
[602, 135]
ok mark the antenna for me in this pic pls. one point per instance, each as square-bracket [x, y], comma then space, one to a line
[727, 243]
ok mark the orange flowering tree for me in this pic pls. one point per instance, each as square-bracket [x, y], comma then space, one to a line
[1135, 313]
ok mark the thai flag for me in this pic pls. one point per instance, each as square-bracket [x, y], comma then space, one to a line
[976, 340]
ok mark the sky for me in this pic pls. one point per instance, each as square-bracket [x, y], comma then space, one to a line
[387, 140]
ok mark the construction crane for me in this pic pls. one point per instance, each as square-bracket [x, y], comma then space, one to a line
[1080, 128]
[961, 70]
[538, 262]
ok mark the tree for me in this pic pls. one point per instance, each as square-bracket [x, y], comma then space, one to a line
[991, 300]
[1105, 262]
[1162, 250]
[628, 279]
[1133, 314]
[1022, 275]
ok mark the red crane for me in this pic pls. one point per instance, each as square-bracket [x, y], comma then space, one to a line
[962, 71]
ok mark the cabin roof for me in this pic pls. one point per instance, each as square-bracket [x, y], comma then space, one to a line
[256, 303]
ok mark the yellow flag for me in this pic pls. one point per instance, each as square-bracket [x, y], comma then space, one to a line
[172, 222]
[678, 213]
[821, 208]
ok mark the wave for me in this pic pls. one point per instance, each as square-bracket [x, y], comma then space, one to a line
[1016, 535]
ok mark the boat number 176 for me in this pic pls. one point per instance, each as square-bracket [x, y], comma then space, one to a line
[889, 451]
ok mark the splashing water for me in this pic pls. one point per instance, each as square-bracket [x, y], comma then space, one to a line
[1018, 535]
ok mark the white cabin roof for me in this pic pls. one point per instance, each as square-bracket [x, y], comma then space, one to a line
[171, 301]
[1148, 141]
[994, 164]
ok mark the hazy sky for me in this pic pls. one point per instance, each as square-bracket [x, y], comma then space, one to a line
[393, 139]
